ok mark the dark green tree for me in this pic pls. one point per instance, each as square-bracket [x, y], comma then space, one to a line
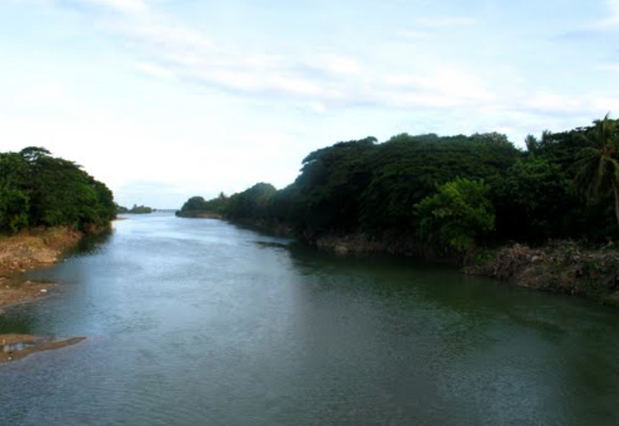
[38, 189]
[456, 216]
[598, 163]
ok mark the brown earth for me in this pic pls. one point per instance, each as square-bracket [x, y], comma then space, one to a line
[18, 253]
[27, 250]
[559, 267]
[13, 292]
[16, 346]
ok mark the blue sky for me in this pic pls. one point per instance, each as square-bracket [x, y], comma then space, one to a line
[166, 99]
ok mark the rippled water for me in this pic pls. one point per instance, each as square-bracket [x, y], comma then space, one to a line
[195, 322]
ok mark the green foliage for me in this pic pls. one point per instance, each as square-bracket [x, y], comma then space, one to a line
[140, 209]
[253, 203]
[598, 163]
[38, 189]
[195, 204]
[14, 206]
[326, 195]
[455, 217]
[531, 200]
[407, 168]
[198, 206]
[362, 186]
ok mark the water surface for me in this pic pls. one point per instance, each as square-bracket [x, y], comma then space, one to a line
[196, 321]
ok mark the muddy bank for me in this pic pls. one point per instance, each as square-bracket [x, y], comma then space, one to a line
[35, 248]
[16, 346]
[14, 292]
[559, 267]
[28, 250]
[18, 253]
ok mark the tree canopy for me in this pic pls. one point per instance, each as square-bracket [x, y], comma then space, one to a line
[452, 192]
[37, 189]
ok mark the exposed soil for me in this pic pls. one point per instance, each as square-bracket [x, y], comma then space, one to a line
[16, 346]
[559, 267]
[18, 253]
[34, 248]
[16, 292]
[27, 250]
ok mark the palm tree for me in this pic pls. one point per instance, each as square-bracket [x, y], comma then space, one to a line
[598, 163]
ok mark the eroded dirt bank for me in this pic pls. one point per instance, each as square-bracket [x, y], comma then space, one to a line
[18, 253]
[28, 250]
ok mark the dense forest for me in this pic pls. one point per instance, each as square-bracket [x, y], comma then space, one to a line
[37, 189]
[452, 193]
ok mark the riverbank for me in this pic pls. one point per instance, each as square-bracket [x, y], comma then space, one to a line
[563, 267]
[18, 253]
[558, 267]
[27, 250]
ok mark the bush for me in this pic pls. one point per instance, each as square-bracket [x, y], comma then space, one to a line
[456, 216]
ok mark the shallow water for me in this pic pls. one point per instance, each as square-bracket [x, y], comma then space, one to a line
[196, 321]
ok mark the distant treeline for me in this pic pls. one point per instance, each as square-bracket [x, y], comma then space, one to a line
[37, 189]
[450, 192]
[135, 209]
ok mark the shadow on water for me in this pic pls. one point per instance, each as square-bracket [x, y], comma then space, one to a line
[17, 320]
[91, 243]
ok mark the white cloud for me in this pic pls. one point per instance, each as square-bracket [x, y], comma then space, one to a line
[343, 65]
[123, 6]
[165, 49]
[41, 95]
[154, 70]
[606, 104]
[546, 101]
[609, 67]
[450, 85]
[612, 20]
[414, 34]
[445, 22]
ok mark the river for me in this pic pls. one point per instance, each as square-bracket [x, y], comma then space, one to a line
[200, 322]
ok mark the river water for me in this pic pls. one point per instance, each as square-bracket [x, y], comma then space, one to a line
[199, 322]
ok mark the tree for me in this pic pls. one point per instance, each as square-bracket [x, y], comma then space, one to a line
[598, 165]
[38, 189]
[456, 216]
[194, 204]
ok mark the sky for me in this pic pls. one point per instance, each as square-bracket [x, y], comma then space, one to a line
[166, 99]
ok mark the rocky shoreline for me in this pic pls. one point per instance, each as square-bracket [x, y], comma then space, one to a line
[558, 267]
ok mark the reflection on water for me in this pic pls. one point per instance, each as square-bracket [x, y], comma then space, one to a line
[201, 322]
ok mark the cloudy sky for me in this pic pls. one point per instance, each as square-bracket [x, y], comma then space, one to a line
[164, 99]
